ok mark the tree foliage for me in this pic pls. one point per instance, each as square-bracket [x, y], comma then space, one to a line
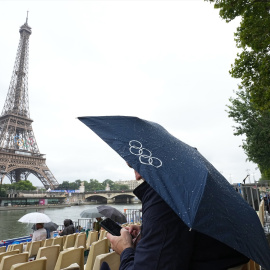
[251, 108]
[92, 185]
[252, 65]
[255, 126]
[21, 185]
[67, 185]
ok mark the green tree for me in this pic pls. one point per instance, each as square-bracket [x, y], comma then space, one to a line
[113, 185]
[121, 187]
[21, 185]
[252, 65]
[3, 193]
[251, 108]
[94, 185]
[86, 185]
[64, 185]
[78, 183]
[110, 183]
[74, 185]
[3, 190]
[255, 126]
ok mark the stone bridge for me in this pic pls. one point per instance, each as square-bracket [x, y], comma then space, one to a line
[101, 196]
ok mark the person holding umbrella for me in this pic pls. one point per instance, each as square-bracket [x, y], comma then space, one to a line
[192, 217]
[39, 219]
[50, 227]
[40, 233]
[164, 234]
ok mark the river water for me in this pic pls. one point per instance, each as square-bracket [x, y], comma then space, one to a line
[11, 228]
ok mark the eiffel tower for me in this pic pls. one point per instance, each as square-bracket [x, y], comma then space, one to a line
[19, 153]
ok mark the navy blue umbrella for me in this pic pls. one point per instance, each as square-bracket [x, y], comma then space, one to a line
[189, 184]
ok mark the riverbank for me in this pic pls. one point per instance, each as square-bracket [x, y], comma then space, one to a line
[10, 227]
[26, 207]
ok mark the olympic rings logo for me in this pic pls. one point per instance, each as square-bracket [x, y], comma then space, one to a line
[23, 143]
[145, 155]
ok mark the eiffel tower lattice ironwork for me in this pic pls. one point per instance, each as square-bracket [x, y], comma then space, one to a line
[19, 152]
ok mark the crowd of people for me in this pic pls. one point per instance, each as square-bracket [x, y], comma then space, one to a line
[177, 246]
[42, 233]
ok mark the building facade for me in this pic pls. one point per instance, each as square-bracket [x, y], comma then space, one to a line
[132, 184]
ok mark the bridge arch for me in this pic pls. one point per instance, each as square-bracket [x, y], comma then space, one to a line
[96, 198]
[110, 196]
[123, 198]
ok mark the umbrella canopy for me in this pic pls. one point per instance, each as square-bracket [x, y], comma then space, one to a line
[51, 226]
[112, 213]
[34, 217]
[90, 213]
[190, 185]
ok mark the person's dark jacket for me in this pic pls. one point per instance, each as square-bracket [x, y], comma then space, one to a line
[167, 243]
[69, 227]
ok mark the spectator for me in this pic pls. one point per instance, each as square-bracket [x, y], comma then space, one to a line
[96, 224]
[40, 233]
[166, 242]
[68, 228]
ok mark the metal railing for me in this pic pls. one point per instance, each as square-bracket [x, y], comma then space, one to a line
[84, 223]
[133, 215]
[17, 240]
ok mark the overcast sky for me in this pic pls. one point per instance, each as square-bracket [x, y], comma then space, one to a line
[163, 61]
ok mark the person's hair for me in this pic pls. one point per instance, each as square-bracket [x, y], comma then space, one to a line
[40, 224]
[68, 222]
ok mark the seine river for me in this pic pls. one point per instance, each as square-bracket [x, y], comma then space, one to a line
[11, 228]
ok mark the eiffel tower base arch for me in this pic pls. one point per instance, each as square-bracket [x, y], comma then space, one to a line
[18, 168]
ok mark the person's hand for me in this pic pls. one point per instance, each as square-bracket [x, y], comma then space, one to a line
[134, 230]
[119, 243]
